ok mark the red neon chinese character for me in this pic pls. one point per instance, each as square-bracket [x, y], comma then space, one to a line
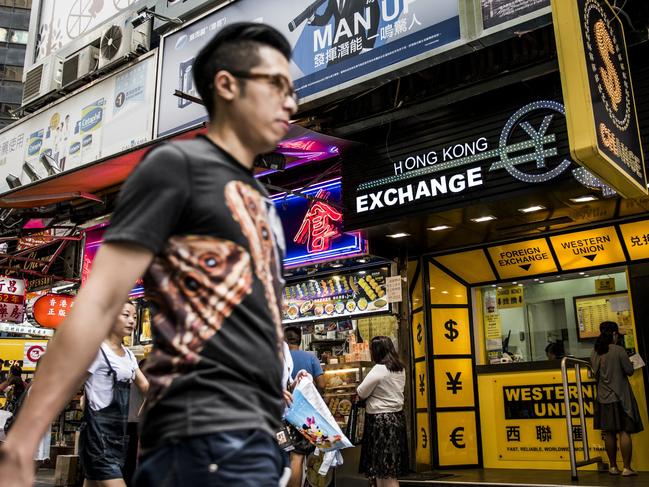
[317, 229]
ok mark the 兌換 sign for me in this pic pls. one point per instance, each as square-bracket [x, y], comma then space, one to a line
[335, 44]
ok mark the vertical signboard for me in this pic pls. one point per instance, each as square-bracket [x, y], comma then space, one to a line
[598, 93]
[12, 299]
[335, 44]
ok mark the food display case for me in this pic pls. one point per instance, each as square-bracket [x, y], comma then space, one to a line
[336, 296]
[340, 395]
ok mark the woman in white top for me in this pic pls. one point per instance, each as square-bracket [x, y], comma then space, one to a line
[103, 440]
[384, 452]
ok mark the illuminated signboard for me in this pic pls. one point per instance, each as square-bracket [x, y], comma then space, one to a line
[94, 239]
[312, 227]
[597, 89]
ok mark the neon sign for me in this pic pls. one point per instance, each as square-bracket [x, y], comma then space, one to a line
[314, 228]
[318, 228]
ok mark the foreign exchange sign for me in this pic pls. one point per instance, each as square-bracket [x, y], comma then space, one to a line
[598, 93]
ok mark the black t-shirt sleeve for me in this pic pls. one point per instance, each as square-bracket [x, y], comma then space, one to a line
[152, 200]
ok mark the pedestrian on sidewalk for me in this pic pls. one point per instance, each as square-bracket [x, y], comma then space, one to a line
[616, 410]
[201, 229]
[103, 439]
[384, 451]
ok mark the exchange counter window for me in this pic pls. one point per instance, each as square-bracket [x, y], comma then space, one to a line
[547, 318]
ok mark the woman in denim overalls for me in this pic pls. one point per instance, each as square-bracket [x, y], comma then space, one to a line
[103, 440]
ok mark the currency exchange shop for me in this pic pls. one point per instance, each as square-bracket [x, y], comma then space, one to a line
[516, 254]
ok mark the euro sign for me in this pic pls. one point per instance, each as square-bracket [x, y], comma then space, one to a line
[419, 337]
[424, 438]
[457, 437]
[452, 334]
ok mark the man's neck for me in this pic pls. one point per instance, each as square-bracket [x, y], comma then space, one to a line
[225, 138]
[293, 347]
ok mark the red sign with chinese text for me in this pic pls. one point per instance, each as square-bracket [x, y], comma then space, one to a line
[12, 299]
[317, 229]
[50, 310]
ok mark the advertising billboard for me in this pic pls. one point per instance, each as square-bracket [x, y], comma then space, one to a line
[335, 43]
[106, 118]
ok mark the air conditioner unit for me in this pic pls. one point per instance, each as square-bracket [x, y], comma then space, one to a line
[120, 41]
[77, 66]
[42, 79]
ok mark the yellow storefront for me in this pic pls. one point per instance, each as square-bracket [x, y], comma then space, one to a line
[484, 322]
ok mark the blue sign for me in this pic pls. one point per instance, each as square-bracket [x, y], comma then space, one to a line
[336, 43]
[35, 143]
[312, 228]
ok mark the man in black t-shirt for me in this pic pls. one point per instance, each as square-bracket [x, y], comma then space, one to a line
[195, 222]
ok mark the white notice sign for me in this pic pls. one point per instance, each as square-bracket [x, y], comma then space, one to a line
[393, 289]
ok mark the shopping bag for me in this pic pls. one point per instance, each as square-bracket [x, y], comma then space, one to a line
[311, 417]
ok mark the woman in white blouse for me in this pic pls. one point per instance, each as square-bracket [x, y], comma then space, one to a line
[384, 453]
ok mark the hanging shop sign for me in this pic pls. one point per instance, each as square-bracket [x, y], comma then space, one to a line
[605, 285]
[337, 296]
[510, 297]
[598, 92]
[33, 351]
[312, 224]
[589, 248]
[26, 329]
[50, 310]
[528, 150]
[334, 45]
[497, 12]
[108, 117]
[12, 299]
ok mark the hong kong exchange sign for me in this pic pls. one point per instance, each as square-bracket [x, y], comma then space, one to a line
[529, 148]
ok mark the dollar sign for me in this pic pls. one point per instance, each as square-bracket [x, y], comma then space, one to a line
[608, 72]
[419, 333]
[452, 332]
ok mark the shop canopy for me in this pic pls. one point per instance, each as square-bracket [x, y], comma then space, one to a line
[301, 146]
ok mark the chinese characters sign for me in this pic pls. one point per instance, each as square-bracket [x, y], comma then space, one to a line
[50, 310]
[319, 228]
[12, 299]
[313, 227]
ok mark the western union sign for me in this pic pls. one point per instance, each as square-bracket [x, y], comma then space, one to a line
[600, 108]
[587, 249]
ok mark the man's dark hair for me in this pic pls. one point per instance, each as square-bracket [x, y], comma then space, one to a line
[293, 335]
[234, 48]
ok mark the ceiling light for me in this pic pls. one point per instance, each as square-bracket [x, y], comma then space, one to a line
[531, 209]
[398, 235]
[362, 272]
[536, 279]
[520, 285]
[514, 283]
[444, 292]
[583, 199]
[582, 273]
[541, 282]
[483, 219]
[439, 228]
[361, 261]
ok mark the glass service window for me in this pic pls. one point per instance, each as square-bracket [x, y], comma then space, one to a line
[547, 318]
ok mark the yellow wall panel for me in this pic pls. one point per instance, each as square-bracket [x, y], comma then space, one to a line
[418, 335]
[472, 266]
[421, 385]
[457, 441]
[454, 383]
[451, 331]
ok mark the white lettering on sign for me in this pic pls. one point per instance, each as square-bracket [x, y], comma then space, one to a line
[421, 190]
[451, 153]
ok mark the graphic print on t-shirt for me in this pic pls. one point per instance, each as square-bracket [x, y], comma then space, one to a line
[248, 208]
[198, 280]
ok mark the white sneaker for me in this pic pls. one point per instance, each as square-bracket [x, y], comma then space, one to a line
[628, 472]
[614, 471]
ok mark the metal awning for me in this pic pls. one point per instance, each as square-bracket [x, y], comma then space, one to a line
[299, 147]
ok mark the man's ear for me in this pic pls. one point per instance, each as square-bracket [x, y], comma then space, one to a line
[225, 86]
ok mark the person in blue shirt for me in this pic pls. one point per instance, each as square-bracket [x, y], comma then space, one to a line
[303, 360]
